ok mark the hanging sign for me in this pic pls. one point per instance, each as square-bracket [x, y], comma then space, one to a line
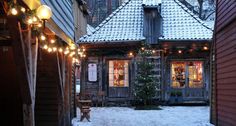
[92, 72]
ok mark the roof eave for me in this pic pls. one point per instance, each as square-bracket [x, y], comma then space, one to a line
[185, 40]
[110, 42]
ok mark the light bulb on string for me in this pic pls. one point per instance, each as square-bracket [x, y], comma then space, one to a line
[39, 25]
[30, 21]
[180, 51]
[52, 41]
[45, 46]
[22, 9]
[14, 11]
[66, 52]
[60, 50]
[54, 49]
[72, 54]
[49, 50]
[34, 19]
[42, 37]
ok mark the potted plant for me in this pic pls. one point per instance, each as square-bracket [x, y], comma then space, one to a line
[176, 96]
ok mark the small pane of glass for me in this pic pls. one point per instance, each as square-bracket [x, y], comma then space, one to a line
[195, 74]
[178, 74]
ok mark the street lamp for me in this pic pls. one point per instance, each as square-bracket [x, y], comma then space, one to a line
[44, 13]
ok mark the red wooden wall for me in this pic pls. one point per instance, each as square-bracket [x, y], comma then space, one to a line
[225, 45]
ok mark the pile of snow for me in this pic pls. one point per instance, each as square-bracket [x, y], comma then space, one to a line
[168, 116]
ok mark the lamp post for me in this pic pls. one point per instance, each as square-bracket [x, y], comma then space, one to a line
[44, 13]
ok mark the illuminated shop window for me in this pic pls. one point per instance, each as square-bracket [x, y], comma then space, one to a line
[118, 73]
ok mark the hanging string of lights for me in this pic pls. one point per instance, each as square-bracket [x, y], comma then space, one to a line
[35, 20]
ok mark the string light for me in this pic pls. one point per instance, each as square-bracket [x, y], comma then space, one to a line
[23, 9]
[143, 48]
[14, 11]
[153, 51]
[38, 20]
[66, 52]
[180, 51]
[60, 50]
[49, 50]
[52, 41]
[39, 25]
[72, 54]
[30, 21]
[34, 19]
[42, 37]
[54, 49]
[205, 48]
[131, 54]
[45, 46]
[72, 47]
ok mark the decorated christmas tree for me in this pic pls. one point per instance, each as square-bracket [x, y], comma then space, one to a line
[145, 86]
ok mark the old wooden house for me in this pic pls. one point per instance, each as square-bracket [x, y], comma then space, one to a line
[223, 107]
[37, 80]
[179, 39]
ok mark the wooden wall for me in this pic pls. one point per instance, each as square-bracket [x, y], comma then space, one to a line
[225, 44]
[47, 91]
[10, 96]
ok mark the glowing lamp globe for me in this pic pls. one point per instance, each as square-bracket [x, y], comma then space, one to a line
[44, 12]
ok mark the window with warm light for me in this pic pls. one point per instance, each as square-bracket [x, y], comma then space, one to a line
[187, 74]
[118, 73]
[178, 74]
[195, 74]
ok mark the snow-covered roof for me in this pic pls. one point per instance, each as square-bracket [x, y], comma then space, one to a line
[179, 23]
[90, 29]
[151, 3]
[126, 24]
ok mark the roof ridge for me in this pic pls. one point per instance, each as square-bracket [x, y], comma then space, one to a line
[109, 18]
[193, 15]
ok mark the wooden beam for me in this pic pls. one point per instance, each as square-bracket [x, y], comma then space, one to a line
[20, 60]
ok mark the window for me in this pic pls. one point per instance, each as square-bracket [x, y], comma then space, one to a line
[195, 74]
[178, 74]
[187, 73]
[118, 73]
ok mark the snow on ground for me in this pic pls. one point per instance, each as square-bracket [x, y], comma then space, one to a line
[168, 116]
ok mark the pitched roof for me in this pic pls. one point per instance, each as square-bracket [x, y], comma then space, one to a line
[90, 29]
[179, 23]
[126, 24]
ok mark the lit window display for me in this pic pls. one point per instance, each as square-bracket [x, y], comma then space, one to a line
[119, 73]
[178, 74]
[187, 73]
[195, 74]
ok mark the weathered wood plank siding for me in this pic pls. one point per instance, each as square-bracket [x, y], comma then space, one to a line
[62, 15]
[225, 39]
[47, 91]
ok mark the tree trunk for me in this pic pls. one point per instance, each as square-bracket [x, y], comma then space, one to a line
[200, 2]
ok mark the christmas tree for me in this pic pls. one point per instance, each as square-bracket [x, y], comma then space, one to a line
[145, 86]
